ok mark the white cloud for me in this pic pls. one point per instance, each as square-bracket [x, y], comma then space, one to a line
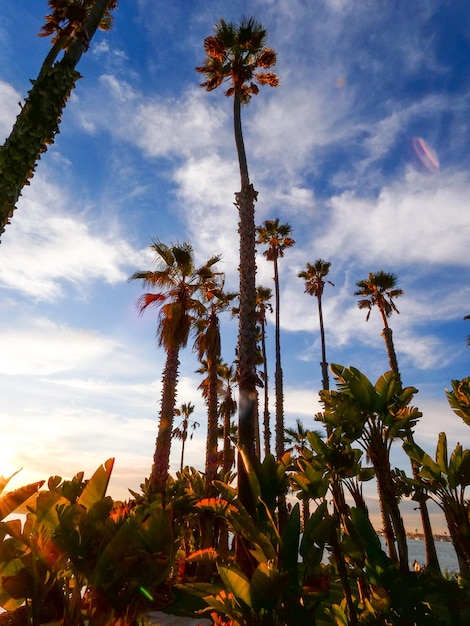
[9, 99]
[420, 219]
[61, 247]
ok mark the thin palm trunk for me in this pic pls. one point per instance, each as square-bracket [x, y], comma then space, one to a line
[266, 420]
[324, 364]
[278, 373]
[161, 459]
[212, 424]
[430, 546]
[389, 503]
[183, 443]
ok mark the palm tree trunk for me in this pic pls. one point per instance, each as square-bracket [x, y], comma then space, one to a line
[183, 443]
[389, 502]
[431, 554]
[38, 123]
[245, 202]
[324, 364]
[282, 504]
[392, 357]
[212, 423]
[278, 374]
[266, 425]
[161, 459]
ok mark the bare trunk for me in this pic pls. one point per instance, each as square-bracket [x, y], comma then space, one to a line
[38, 123]
[245, 202]
[161, 458]
[324, 364]
[278, 373]
[392, 357]
[266, 419]
[212, 423]
[393, 520]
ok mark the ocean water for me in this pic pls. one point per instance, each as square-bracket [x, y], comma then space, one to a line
[445, 553]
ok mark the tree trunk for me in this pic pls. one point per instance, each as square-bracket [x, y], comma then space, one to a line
[278, 374]
[161, 458]
[266, 419]
[431, 554]
[245, 202]
[38, 123]
[392, 357]
[389, 502]
[212, 424]
[324, 364]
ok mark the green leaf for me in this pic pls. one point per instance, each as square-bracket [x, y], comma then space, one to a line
[441, 453]
[96, 487]
[236, 582]
[11, 501]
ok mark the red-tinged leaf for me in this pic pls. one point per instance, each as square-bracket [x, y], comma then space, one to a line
[11, 501]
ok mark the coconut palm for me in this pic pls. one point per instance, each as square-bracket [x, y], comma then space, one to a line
[178, 282]
[72, 25]
[380, 290]
[277, 238]
[315, 278]
[263, 297]
[181, 431]
[237, 53]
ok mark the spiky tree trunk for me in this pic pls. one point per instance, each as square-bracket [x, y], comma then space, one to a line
[161, 458]
[324, 364]
[38, 123]
[278, 372]
[266, 420]
[392, 357]
[245, 202]
[389, 504]
[212, 424]
[430, 546]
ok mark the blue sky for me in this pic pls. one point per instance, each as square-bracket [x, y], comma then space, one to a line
[145, 153]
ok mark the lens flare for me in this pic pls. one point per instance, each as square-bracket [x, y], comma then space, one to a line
[426, 155]
[146, 594]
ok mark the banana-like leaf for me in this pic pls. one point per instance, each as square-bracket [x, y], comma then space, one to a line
[4, 481]
[236, 582]
[10, 502]
[96, 487]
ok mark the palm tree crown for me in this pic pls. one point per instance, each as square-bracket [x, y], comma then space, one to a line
[179, 283]
[315, 278]
[379, 290]
[235, 53]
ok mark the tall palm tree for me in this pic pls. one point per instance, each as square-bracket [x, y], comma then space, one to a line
[237, 53]
[263, 297]
[208, 347]
[380, 290]
[72, 26]
[227, 409]
[315, 278]
[181, 431]
[277, 238]
[178, 282]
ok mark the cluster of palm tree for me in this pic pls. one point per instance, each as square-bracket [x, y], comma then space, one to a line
[238, 54]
